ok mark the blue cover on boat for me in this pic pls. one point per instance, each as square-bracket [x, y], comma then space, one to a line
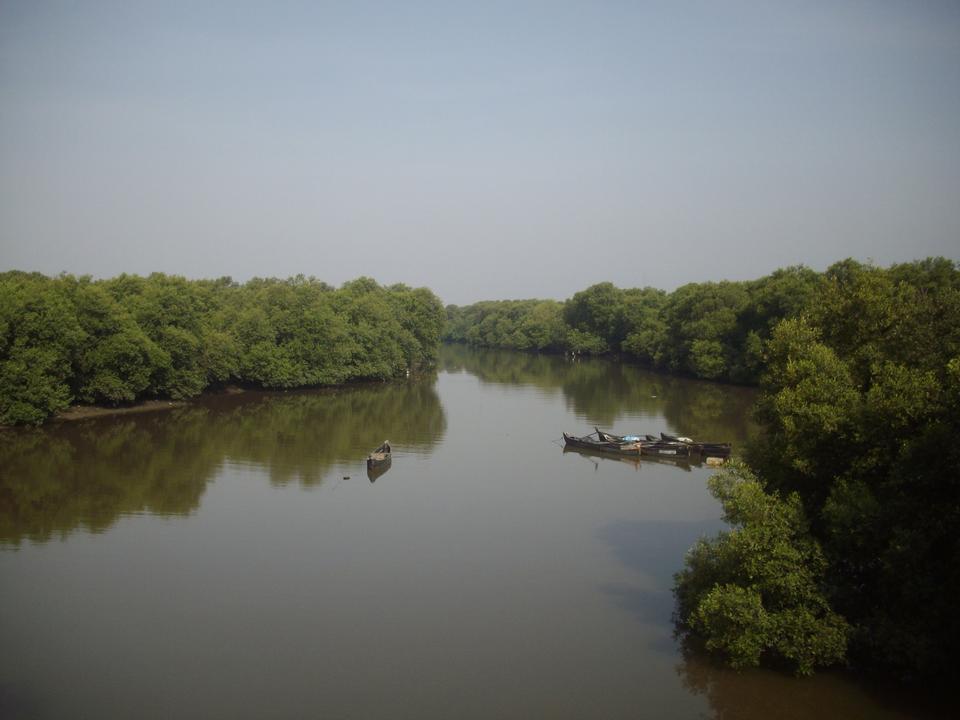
[631, 438]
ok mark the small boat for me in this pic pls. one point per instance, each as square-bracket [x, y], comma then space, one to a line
[380, 456]
[599, 444]
[379, 461]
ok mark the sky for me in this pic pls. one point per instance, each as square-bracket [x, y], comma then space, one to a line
[486, 150]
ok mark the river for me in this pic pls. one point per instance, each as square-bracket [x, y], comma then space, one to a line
[232, 559]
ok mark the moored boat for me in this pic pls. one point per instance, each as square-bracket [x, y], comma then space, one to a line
[600, 444]
[626, 444]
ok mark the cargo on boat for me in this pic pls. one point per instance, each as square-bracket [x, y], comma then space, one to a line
[626, 445]
[668, 442]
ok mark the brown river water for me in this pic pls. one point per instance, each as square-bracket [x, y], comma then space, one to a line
[231, 558]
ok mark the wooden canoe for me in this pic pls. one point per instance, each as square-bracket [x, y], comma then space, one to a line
[380, 456]
[600, 445]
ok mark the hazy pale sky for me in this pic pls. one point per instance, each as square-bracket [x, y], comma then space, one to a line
[486, 150]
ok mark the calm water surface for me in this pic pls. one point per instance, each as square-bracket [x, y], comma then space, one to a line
[231, 559]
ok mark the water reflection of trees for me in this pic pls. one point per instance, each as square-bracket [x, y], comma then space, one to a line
[603, 391]
[56, 479]
[302, 436]
[762, 694]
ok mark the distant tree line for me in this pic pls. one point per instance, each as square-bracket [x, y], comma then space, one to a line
[72, 339]
[713, 330]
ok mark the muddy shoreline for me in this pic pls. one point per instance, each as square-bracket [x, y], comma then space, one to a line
[85, 412]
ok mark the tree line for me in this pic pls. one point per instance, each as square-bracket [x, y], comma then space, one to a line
[713, 330]
[73, 339]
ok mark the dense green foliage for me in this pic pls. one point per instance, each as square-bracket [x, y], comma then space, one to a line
[69, 339]
[709, 330]
[861, 409]
[756, 590]
[516, 324]
[860, 413]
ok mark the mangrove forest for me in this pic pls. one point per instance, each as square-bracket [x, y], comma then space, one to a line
[67, 339]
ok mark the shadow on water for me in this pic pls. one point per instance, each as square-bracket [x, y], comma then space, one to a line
[602, 392]
[86, 474]
[654, 550]
[763, 694]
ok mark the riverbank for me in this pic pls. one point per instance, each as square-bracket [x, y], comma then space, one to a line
[85, 412]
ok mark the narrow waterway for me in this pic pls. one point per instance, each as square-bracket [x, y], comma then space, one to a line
[232, 558]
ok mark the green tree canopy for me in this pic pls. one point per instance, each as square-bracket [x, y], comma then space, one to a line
[126, 338]
[755, 591]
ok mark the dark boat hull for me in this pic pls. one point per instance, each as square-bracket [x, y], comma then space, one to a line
[380, 456]
[616, 445]
[602, 446]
